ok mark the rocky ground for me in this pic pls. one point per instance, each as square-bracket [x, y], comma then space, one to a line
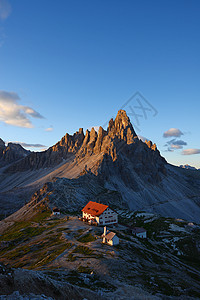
[65, 251]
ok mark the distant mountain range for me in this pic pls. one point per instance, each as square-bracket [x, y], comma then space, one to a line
[111, 165]
[188, 167]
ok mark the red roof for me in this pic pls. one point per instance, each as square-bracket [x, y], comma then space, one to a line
[94, 208]
[110, 235]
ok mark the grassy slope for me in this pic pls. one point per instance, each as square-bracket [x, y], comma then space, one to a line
[52, 244]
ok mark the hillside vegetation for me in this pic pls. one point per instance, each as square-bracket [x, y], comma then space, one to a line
[66, 249]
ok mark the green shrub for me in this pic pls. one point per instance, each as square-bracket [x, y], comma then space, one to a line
[87, 238]
[83, 250]
[53, 255]
[40, 216]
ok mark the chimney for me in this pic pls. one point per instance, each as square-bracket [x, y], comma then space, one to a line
[104, 231]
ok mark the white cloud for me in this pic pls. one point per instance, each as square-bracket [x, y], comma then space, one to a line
[176, 146]
[5, 9]
[190, 151]
[25, 145]
[172, 132]
[49, 129]
[12, 113]
[32, 112]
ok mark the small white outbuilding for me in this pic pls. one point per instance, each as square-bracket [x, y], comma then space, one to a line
[139, 232]
[110, 237]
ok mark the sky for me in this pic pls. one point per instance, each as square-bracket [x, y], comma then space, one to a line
[71, 64]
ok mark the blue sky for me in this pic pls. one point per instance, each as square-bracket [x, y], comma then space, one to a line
[71, 64]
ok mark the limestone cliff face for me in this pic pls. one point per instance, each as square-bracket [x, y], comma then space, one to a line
[150, 145]
[116, 144]
[115, 159]
[11, 153]
[122, 128]
[69, 143]
[119, 133]
[73, 194]
[66, 147]
[123, 153]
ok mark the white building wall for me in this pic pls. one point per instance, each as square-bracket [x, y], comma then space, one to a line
[115, 240]
[142, 235]
[110, 242]
[106, 218]
[87, 216]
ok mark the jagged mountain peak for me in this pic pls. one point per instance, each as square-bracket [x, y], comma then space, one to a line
[118, 160]
[120, 137]
[122, 121]
[15, 146]
[151, 145]
[122, 128]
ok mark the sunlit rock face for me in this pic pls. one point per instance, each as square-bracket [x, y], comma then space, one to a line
[114, 159]
[119, 138]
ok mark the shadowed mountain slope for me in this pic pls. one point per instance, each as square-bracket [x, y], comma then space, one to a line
[119, 160]
[11, 153]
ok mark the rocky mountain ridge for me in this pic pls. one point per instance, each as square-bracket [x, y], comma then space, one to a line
[117, 160]
[11, 153]
[188, 167]
[119, 136]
